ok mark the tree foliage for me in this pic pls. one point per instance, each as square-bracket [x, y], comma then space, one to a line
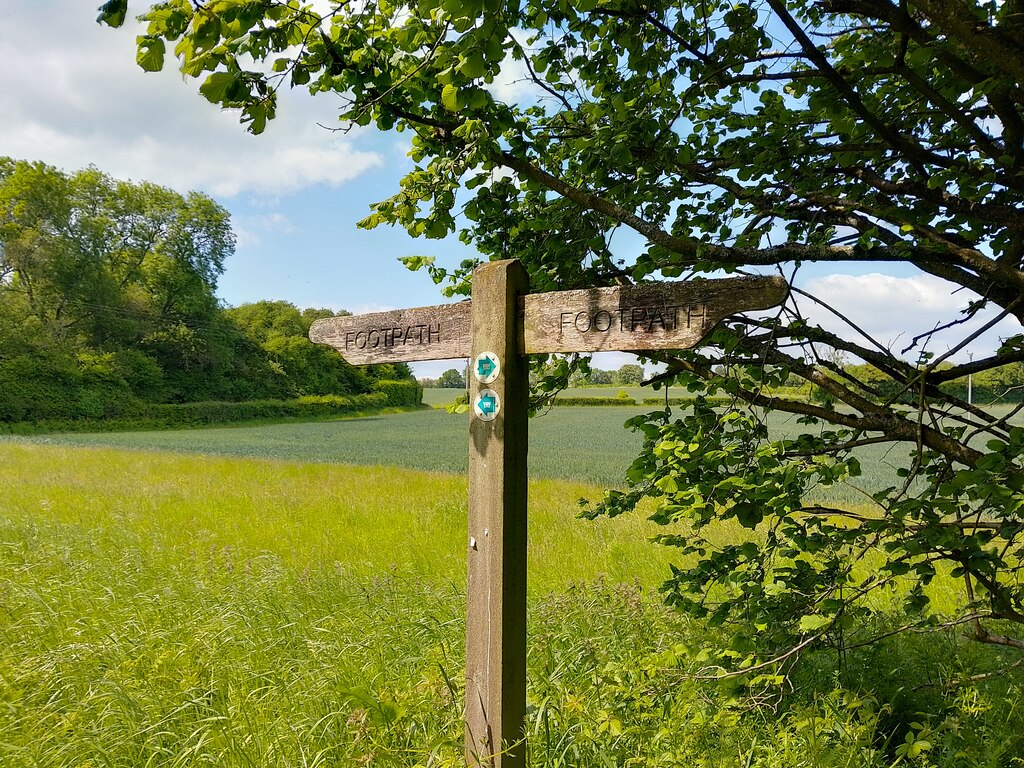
[106, 294]
[728, 137]
[630, 374]
[452, 379]
[586, 375]
[300, 366]
[107, 301]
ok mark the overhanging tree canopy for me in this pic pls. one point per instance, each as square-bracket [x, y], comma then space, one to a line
[755, 136]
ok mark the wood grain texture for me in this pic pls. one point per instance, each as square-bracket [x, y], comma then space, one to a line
[641, 317]
[626, 318]
[401, 335]
[496, 556]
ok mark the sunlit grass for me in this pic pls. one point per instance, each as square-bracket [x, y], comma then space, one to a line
[363, 520]
[186, 610]
[583, 444]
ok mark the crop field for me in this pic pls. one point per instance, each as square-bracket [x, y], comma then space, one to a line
[581, 444]
[587, 444]
[438, 397]
[294, 595]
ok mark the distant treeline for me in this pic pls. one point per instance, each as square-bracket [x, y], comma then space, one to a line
[107, 307]
[629, 375]
[1004, 384]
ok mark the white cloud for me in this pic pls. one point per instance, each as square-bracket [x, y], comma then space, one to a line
[248, 228]
[893, 310]
[71, 94]
[513, 83]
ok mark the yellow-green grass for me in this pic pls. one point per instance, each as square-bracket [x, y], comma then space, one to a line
[175, 610]
[368, 520]
[580, 444]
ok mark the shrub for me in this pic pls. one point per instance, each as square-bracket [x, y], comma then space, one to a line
[400, 394]
[178, 415]
[313, 406]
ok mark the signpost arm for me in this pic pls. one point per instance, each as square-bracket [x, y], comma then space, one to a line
[496, 589]
[641, 317]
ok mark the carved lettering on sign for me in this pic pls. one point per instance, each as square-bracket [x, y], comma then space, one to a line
[640, 317]
[627, 318]
[667, 318]
[374, 338]
[424, 333]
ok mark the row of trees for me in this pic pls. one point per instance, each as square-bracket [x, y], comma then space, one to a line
[628, 375]
[1004, 384]
[452, 378]
[107, 300]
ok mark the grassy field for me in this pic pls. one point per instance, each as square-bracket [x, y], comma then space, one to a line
[311, 515]
[294, 596]
[175, 610]
[441, 397]
[584, 444]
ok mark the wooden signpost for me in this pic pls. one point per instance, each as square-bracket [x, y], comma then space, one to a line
[501, 325]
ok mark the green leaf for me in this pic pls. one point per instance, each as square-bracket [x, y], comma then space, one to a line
[112, 13]
[748, 515]
[256, 115]
[150, 55]
[217, 87]
[413, 263]
[814, 622]
[473, 65]
[450, 98]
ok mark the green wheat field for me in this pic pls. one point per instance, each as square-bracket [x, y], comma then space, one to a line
[293, 595]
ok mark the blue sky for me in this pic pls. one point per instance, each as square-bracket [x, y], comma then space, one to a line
[71, 95]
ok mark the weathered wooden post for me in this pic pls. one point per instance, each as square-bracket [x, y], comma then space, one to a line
[502, 325]
[496, 588]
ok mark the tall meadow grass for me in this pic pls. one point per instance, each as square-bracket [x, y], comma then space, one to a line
[169, 610]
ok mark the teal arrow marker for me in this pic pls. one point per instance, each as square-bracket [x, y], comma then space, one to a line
[484, 367]
[488, 404]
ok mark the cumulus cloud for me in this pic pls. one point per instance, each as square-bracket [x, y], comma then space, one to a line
[893, 310]
[71, 94]
[249, 228]
[513, 83]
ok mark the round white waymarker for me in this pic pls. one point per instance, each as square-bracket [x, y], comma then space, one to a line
[486, 367]
[486, 405]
